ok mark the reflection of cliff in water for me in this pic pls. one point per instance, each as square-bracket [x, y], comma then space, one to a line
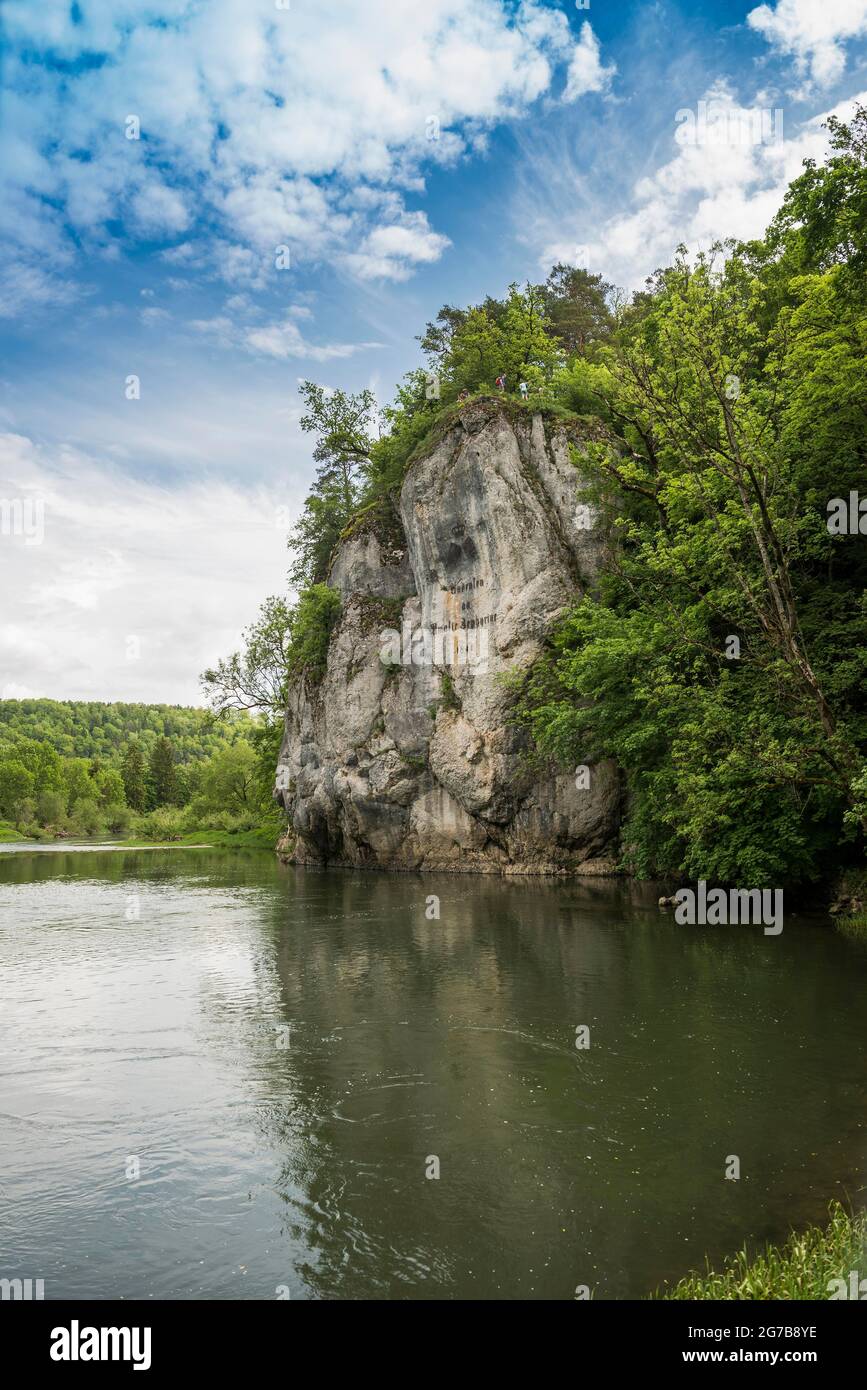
[454, 1037]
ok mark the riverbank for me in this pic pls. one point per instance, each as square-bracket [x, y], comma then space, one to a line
[816, 1264]
[262, 838]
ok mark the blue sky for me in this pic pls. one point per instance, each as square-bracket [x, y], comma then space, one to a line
[405, 153]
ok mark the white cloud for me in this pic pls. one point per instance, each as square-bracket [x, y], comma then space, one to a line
[115, 557]
[393, 252]
[586, 71]
[720, 185]
[262, 125]
[281, 339]
[25, 286]
[813, 32]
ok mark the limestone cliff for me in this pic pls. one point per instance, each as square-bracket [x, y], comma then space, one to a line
[404, 756]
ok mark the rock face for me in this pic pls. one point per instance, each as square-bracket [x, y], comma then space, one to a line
[404, 756]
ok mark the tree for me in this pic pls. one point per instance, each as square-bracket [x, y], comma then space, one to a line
[576, 304]
[111, 787]
[438, 337]
[85, 817]
[313, 538]
[161, 775]
[50, 808]
[343, 423]
[133, 774]
[255, 677]
[16, 786]
[231, 779]
[77, 781]
[707, 664]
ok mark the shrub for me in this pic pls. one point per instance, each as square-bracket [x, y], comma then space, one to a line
[310, 631]
[85, 817]
[165, 823]
[117, 818]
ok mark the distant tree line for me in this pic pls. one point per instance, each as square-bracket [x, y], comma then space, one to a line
[176, 765]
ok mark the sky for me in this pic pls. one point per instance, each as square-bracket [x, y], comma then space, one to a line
[205, 202]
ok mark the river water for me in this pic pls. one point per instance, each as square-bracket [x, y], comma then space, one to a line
[224, 1078]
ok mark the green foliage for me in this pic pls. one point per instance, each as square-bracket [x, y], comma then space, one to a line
[736, 403]
[310, 631]
[162, 777]
[16, 786]
[450, 698]
[855, 926]
[406, 421]
[513, 338]
[51, 809]
[162, 823]
[343, 424]
[254, 679]
[230, 780]
[117, 818]
[94, 730]
[85, 817]
[803, 1269]
[133, 774]
[328, 509]
[577, 306]
[44, 793]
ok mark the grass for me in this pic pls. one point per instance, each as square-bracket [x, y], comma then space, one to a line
[799, 1270]
[263, 837]
[854, 926]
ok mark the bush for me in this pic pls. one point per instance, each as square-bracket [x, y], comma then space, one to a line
[85, 817]
[51, 809]
[310, 631]
[117, 818]
[165, 823]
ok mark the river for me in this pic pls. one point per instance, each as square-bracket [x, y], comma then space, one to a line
[227, 1078]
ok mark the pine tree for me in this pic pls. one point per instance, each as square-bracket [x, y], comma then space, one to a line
[162, 775]
[133, 773]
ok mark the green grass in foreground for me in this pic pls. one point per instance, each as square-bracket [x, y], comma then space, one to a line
[799, 1270]
[265, 837]
[854, 926]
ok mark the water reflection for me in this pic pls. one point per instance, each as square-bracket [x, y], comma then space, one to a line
[304, 1165]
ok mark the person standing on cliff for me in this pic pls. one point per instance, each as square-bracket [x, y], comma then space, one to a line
[500, 383]
[523, 390]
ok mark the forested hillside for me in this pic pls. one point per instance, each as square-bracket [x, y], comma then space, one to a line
[86, 768]
[90, 729]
